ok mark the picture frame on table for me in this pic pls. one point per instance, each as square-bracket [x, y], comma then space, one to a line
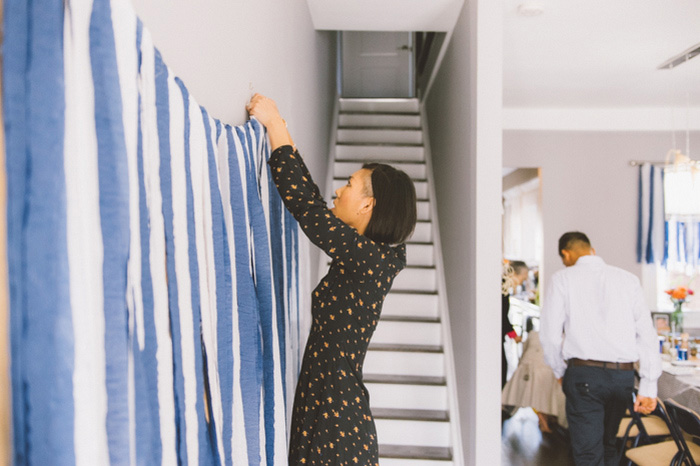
[662, 321]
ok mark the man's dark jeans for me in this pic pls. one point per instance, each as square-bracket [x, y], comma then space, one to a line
[596, 400]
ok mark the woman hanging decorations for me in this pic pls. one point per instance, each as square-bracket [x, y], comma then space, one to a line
[364, 232]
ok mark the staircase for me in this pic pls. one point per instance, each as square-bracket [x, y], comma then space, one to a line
[405, 369]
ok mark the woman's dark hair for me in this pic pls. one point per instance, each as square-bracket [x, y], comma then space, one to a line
[394, 214]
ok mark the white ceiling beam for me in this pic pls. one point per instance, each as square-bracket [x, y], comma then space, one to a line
[385, 15]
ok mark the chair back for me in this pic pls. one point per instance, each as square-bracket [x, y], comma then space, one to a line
[643, 437]
[686, 421]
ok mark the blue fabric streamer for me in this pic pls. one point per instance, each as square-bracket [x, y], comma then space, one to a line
[665, 261]
[114, 220]
[248, 316]
[163, 108]
[147, 420]
[41, 316]
[15, 59]
[650, 230]
[263, 285]
[680, 240]
[640, 233]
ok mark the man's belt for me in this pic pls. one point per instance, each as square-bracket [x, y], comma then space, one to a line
[623, 366]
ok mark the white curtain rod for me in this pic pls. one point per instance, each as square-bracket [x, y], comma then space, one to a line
[636, 163]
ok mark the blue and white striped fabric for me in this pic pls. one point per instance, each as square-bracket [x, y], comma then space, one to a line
[671, 241]
[154, 275]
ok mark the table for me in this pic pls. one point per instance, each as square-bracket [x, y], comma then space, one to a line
[684, 389]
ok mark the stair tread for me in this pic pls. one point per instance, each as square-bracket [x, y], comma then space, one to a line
[411, 414]
[389, 161]
[415, 452]
[404, 379]
[405, 348]
[417, 199]
[363, 112]
[413, 129]
[397, 162]
[416, 319]
[378, 144]
[415, 180]
[379, 99]
[412, 292]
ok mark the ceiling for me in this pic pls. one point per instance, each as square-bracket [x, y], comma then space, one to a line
[600, 54]
[385, 15]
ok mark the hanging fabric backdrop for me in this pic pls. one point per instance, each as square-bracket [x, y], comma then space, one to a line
[674, 241]
[153, 270]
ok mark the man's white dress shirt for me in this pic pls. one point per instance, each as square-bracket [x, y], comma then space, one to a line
[601, 311]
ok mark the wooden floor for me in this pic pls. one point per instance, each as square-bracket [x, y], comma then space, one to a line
[524, 445]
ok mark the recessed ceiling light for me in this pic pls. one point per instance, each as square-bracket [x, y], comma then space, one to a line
[530, 9]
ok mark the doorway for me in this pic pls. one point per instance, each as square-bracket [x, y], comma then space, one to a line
[523, 242]
[377, 64]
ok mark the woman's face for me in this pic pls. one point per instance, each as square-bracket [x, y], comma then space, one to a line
[352, 201]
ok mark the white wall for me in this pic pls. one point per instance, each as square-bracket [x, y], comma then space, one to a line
[589, 185]
[464, 119]
[220, 48]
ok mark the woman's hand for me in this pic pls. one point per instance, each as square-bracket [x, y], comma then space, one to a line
[265, 111]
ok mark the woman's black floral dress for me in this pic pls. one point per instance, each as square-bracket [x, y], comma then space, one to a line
[331, 421]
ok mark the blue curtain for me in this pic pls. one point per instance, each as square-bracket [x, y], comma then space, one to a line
[671, 241]
[154, 274]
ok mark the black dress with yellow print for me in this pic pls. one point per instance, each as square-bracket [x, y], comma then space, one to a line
[331, 421]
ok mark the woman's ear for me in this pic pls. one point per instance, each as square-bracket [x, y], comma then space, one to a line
[368, 206]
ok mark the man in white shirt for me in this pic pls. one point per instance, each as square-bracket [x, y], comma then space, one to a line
[594, 326]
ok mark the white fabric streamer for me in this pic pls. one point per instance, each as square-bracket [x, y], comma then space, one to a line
[84, 233]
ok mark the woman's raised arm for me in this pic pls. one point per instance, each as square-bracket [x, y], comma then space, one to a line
[265, 111]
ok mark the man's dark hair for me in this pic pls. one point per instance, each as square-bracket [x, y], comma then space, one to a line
[394, 214]
[518, 266]
[568, 240]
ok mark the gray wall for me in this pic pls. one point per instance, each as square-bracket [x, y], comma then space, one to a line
[589, 185]
[464, 117]
[222, 48]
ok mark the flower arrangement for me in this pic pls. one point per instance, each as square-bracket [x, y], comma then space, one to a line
[678, 296]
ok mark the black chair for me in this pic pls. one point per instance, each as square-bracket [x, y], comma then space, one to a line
[687, 422]
[655, 450]
[636, 429]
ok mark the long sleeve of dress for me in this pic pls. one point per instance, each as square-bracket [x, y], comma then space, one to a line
[303, 199]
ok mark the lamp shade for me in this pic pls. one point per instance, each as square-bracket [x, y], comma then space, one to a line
[682, 190]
